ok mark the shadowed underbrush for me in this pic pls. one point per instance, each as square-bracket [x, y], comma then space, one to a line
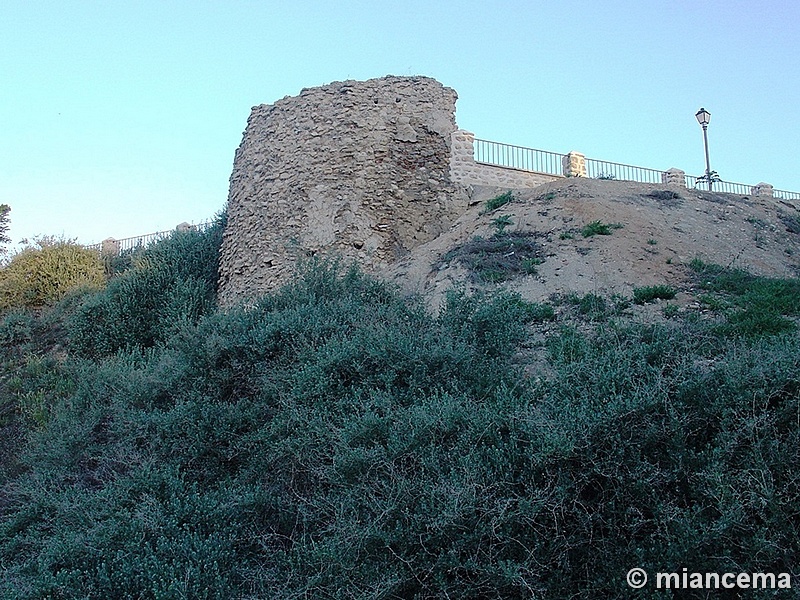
[337, 441]
[753, 306]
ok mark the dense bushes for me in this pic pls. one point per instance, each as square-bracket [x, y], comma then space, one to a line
[337, 441]
[45, 272]
[173, 282]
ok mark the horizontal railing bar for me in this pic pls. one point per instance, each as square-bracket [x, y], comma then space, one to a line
[517, 157]
[606, 169]
[543, 161]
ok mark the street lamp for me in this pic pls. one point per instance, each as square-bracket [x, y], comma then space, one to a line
[704, 118]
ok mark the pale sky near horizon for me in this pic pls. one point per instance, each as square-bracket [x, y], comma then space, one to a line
[122, 118]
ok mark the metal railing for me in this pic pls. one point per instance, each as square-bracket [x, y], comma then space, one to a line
[517, 157]
[142, 241]
[784, 195]
[731, 187]
[542, 161]
[603, 169]
[728, 187]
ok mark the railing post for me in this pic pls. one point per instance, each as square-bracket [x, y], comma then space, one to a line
[109, 247]
[574, 165]
[462, 154]
[762, 189]
[674, 176]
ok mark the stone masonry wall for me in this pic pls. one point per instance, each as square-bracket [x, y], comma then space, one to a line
[355, 169]
[464, 169]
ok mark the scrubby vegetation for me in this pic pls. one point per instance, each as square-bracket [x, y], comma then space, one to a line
[753, 306]
[156, 292]
[46, 271]
[338, 441]
[599, 228]
[503, 256]
[498, 201]
[650, 293]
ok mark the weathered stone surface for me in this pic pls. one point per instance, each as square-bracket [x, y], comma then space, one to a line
[574, 165]
[674, 176]
[359, 169]
[464, 169]
[762, 189]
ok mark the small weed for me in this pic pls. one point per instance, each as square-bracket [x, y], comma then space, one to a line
[590, 305]
[621, 303]
[651, 242]
[607, 176]
[500, 224]
[549, 196]
[670, 311]
[566, 236]
[537, 313]
[529, 265]
[498, 201]
[755, 222]
[642, 295]
[599, 228]
[669, 260]
[712, 302]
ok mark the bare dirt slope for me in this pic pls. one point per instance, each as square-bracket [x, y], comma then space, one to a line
[662, 229]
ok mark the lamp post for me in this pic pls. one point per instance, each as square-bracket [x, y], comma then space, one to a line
[704, 118]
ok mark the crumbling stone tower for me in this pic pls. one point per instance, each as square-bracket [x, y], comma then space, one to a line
[359, 169]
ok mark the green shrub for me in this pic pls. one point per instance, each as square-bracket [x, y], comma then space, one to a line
[670, 311]
[183, 471]
[498, 201]
[45, 272]
[754, 306]
[171, 283]
[335, 440]
[590, 305]
[116, 264]
[500, 224]
[599, 228]
[642, 295]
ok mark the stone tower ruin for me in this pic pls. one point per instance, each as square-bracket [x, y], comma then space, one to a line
[355, 169]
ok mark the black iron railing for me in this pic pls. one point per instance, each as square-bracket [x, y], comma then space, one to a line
[143, 241]
[517, 157]
[603, 169]
[542, 161]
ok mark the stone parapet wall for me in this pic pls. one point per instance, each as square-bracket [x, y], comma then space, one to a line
[464, 169]
[356, 169]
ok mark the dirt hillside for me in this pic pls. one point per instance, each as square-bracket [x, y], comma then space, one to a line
[656, 231]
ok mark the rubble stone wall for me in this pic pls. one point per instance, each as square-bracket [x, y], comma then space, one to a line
[464, 169]
[357, 169]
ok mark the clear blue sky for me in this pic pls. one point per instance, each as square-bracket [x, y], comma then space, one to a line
[122, 118]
